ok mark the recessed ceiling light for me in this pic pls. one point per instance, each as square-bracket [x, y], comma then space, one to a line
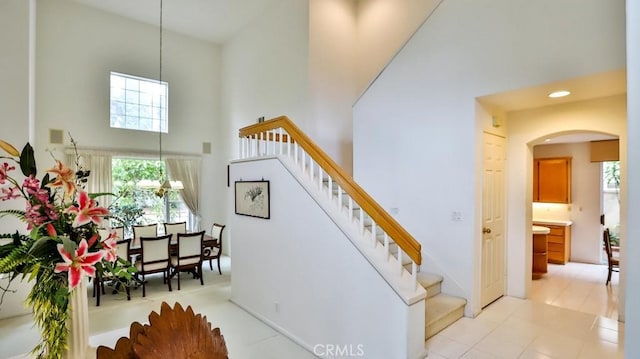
[561, 93]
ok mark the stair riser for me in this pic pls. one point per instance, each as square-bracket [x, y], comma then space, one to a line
[436, 327]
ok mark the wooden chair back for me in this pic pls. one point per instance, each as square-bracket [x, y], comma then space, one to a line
[175, 228]
[147, 230]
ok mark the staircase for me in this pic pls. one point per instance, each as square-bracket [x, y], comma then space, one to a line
[394, 253]
[442, 310]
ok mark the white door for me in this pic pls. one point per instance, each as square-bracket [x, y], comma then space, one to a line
[493, 221]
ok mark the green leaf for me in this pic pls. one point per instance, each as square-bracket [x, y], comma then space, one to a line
[100, 194]
[45, 180]
[28, 161]
[69, 246]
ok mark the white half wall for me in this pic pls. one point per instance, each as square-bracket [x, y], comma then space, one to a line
[415, 130]
[300, 274]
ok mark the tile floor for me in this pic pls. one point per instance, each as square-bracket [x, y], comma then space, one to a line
[572, 314]
[246, 337]
[509, 328]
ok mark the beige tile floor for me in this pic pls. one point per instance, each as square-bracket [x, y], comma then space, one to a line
[572, 314]
[509, 328]
[246, 336]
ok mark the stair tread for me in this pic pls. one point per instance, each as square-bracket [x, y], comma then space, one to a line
[441, 305]
[427, 279]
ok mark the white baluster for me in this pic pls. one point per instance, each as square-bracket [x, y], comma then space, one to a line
[274, 141]
[414, 275]
[386, 246]
[304, 161]
[289, 142]
[373, 233]
[361, 221]
[350, 209]
[311, 165]
[400, 260]
[330, 185]
[258, 147]
[319, 177]
[340, 198]
[295, 152]
[281, 138]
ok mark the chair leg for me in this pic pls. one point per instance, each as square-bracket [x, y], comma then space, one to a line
[178, 279]
[144, 286]
[128, 290]
[210, 264]
[169, 281]
[219, 270]
[609, 275]
[96, 289]
[200, 273]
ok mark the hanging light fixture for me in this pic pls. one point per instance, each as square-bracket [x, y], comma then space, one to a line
[162, 186]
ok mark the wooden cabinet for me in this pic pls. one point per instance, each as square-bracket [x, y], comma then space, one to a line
[558, 243]
[552, 180]
[540, 256]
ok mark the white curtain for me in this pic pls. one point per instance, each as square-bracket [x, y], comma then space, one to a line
[188, 171]
[99, 163]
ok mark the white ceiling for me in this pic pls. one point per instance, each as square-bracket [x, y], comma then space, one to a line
[210, 20]
[582, 88]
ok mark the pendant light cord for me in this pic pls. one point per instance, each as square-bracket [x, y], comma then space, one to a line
[160, 76]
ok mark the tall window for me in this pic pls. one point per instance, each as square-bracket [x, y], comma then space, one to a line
[139, 205]
[138, 103]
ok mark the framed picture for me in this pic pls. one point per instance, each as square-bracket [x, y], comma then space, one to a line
[252, 198]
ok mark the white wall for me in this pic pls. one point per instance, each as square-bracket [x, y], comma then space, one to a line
[423, 105]
[528, 128]
[16, 102]
[264, 73]
[630, 270]
[332, 71]
[78, 46]
[326, 291]
[584, 210]
[384, 26]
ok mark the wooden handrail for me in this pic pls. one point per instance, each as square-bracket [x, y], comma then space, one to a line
[400, 236]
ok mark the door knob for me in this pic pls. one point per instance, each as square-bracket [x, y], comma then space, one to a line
[486, 230]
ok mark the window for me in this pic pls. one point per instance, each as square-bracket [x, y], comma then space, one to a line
[138, 103]
[135, 205]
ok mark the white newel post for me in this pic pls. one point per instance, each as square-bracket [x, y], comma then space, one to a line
[78, 323]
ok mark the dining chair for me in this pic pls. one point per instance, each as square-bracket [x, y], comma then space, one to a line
[188, 255]
[175, 228]
[215, 251]
[612, 262]
[154, 258]
[122, 251]
[145, 230]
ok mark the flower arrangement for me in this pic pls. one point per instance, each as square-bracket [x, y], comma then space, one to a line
[63, 244]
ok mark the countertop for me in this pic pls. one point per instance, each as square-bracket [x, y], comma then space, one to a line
[540, 230]
[551, 222]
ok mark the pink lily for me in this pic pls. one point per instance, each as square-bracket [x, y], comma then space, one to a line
[65, 178]
[4, 168]
[86, 211]
[80, 262]
[109, 246]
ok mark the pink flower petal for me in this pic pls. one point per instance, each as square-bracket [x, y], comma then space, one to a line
[75, 275]
[61, 267]
[89, 270]
[64, 254]
[82, 249]
[91, 259]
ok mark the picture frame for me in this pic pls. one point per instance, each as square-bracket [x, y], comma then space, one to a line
[252, 198]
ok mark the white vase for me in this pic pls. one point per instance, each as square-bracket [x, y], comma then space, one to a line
[78, 323]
